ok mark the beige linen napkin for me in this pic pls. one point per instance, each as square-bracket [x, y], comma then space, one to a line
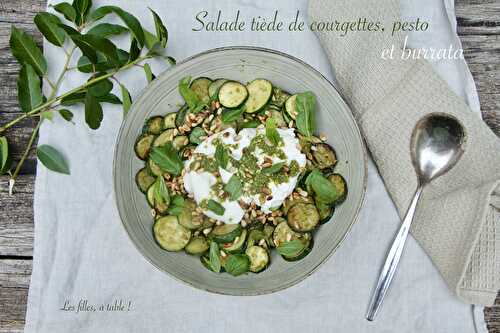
[458, 219]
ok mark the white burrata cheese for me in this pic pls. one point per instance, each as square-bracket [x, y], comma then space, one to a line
[199, 183]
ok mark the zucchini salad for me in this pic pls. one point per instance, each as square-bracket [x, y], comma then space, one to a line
[237, 171]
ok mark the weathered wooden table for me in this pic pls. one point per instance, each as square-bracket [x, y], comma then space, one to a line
[479, 28]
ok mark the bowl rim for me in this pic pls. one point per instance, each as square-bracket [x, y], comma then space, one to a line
[355, 218]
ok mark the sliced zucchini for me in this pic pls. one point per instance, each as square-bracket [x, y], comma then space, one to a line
[268, 231]
[180, 142]
[292, 200]
[213, 88]
[278, 116]
[259, 258]
[154, 125]
[164, 137]
[197, 245]
[259, 93]
[144, 180]
[170, 235]
[303, 217]
[169, 120]
[180, 116]
[325, 212]
[189, 217]
[237, 245]
[279, 97]
[225, 233]
[143, 146]
[232, 94]
[154, 168]
[255, 236]
[308, 244]
[290, 107]
[283, 233]
[324, 156]
[200, 87]
[339, 182]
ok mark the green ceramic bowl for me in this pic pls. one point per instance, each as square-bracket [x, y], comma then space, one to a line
[243, 64]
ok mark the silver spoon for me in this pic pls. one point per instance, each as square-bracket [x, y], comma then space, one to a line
[436, 146]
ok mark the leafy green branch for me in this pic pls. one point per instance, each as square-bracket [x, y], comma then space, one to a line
[77, 28]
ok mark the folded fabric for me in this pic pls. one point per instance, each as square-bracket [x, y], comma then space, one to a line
[457, 220]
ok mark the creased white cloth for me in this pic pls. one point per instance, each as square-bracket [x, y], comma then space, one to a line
[82, 252]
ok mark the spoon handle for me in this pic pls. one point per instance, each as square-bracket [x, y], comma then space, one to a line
[392, 260]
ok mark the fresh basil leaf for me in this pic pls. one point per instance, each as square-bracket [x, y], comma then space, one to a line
[237, 264]
[176, 205]
[196, 134]
[221, 155]
[126, 99]
[254, 123]
[29, 90]
[48, 24]
[178, 200]
[273, 168]
[322, 187]
[100, 88]
[149, 74]
[230, 115]
[272, 132]
[82, 8]
[305, 103]
[93, 111]
[214, 256]
[25, 50]
[130, 20]
[107, 29]
[234, 187]
[167, 158]
[52, 159]
[216, 207]
[161, 194]
[292, 248]
[66, 114]
[161, 30]
[190, 97]
[66, 10]
[5, 158]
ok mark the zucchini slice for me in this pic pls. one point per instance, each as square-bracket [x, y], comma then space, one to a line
[280, 120]
[255, 236]
[232, 94]
[143, 146]
[164, 137]
[292, 200]
[144, 180]
[259, 93]
[197, 245]
[237, 245]
[154, 168]
[308, 244]
[213, 88]
[279, 97]
[189, 217]
[154, 125]
[325, 212]
[180, 142]
[170, 235]
[283, 233]
[339, 182]
[290, 107]
[200, 87]
[169, 120]
[225, 233]
[180, 116]
[303, 217]
[324, 155]
[259, 258]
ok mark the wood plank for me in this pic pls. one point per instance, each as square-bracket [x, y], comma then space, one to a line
[478, 17]
[14, 283]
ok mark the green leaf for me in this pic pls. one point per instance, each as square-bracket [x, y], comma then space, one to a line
[79, 97]
[216, 207]
[161, 194]
[254, 123]
[130, 20]
[5, 158]
[230, 115]
[237, 264]
[103, 64]
[69, 30]
[305, 105]
[126, 99]
[273, 168]
[49, 115]
[221, 156]
[107, 29]
[167, 158]
[29, 90]
[66, 10]
[170, 60]
[196, 134]
[82, 8]
[149, 74]
[52, 159]
[272, 132]
[100, 88]
[161, 30]
[93, 111]
[292, 248]
[98, 44]
[135, 51]
[214, 256]
[176, 205]
[66, 114]
[325, 191]
[25, 50]
[109, 98]
[48, 24]
[150, 40]
[190, 97]
[234, 187]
